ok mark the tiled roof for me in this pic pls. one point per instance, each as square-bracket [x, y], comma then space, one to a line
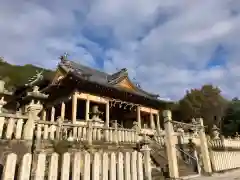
[100, 77]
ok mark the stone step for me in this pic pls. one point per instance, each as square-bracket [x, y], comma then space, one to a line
[159, 155]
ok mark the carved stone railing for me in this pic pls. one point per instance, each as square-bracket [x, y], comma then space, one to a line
[11, 126]
[220, 142]
[46, 130]
[223, 143]
[160, 140]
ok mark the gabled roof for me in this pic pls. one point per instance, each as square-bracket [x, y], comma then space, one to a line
[118, 80]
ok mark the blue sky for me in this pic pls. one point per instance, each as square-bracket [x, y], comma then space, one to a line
[167, 46]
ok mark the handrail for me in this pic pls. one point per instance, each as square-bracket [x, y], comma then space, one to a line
[119, 125]
[189, 125]
[71, 125]
[160, 144]
[186, 153]
[15, 116]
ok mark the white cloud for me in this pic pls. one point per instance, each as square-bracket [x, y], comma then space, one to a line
[166, 45]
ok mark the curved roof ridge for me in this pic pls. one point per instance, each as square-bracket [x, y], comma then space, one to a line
[100, 76]
[118, 76]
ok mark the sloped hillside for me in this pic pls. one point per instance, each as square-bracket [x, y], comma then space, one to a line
[18, 75]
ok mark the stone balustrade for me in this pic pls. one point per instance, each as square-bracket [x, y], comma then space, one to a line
[11, 126]
[231, 143]
[46, 130]
[195, 139]
[225, 143]
[185, 138]
[81, 165]
[160, 140]
[216, 144]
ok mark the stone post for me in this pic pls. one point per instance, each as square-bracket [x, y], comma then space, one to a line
[204, 149]
[107, 115]
[181, 136]
[52, 114]
[170, 144]
[59, 129]
[139, 117]
[180, 139]
[33, 110]
[115, 133]
[90, 132]
[87, 109]
[2, 103]
[44, 115]
[147, 162]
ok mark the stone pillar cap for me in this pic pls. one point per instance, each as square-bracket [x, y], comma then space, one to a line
[167, 113]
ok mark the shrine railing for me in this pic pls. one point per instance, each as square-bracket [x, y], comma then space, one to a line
[46, 130]
[12, 126]
[225, 143]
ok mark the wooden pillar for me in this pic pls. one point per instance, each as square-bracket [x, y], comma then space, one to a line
[74, 108]
[107, 115]
[152, 123]
[139, 117]
[87, 109]
[63, 110]
[158, 123]
[52, 114]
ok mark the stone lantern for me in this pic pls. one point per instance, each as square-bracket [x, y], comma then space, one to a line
[96, 120]
[33, 108]
[215, 132]
[4, 95]
[2, 86]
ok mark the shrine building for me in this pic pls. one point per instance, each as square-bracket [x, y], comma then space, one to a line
[77, 94]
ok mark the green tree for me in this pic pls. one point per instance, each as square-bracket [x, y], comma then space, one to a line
[15, 75]
[206, 102]
[231, 123]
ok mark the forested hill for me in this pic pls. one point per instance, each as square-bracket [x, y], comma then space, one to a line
[18, 75]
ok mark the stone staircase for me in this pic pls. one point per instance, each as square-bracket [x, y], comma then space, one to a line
[159, 157]
[187, 165]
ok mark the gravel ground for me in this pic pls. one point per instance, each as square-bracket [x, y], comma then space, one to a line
[233, 175]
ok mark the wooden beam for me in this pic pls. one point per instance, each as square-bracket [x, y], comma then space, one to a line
[93, 98]
[149, 110]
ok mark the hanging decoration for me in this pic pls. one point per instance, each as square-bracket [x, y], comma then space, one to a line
[122, 104]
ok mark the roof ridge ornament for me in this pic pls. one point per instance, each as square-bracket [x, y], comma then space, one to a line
[37, 77]
[136, 83]
[63, 58]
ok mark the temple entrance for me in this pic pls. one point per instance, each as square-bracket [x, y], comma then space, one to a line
[145, 120]
[187, 152]
[125, 116]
